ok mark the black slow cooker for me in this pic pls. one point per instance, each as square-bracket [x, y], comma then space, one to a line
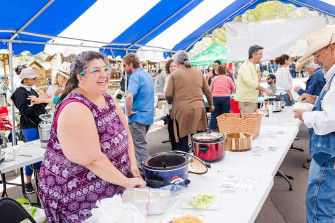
[162, 169]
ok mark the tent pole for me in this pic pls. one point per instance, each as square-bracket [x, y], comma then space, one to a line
[62, 44]
[10, 49]
[31, 20]
[125, 90]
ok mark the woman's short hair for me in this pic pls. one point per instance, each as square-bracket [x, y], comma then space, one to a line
[132, 58]
[222, 70]
[167, 66]
[281, 59]
[182, 57]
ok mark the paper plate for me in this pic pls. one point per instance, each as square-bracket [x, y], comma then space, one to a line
[169, 218]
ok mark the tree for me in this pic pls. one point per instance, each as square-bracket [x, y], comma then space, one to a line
[264, 11]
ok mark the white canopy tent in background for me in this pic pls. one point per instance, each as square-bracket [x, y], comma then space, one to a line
[277, 36]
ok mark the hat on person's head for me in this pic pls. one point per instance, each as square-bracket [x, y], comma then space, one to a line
[65, 69]
[302, 63]
[319, 40]
[28, 73]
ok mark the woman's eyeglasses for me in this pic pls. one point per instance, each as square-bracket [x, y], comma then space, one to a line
[98, 71]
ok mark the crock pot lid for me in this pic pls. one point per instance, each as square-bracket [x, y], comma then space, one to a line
[208, 135]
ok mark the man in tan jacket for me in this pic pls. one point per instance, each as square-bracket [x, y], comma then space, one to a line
[185, 91]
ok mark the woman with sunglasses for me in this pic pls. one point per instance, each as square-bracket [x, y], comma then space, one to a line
[29, 118]
[90, 154]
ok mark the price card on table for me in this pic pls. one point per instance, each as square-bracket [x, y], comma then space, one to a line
[237, 184]
[263, 150]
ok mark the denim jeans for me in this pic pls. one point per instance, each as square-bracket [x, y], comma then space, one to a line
[320, 194]
[31, 135]
[286, 99]
[222, 105]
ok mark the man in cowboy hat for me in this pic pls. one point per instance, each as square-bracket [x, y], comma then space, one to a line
[320, 195]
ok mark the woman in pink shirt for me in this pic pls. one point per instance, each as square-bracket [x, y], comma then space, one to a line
[221, 86]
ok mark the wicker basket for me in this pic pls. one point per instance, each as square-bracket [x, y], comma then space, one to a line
[240, 123]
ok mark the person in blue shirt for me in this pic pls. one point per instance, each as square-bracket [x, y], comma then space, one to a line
[314, 85]
[139, 104]
[315, 81]
[292, 68]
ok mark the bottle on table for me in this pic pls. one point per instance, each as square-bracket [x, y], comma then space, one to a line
[266, 110]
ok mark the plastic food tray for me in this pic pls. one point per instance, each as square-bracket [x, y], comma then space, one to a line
[151, 201]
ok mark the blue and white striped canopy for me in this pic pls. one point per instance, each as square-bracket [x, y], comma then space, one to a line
[116, 27]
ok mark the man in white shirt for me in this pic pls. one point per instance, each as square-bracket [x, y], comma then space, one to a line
[320, 195]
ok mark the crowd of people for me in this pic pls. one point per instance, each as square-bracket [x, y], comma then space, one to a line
[95, 148]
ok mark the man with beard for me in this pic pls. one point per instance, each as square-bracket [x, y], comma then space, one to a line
[139, 104]
[320, 194]
[271, 80]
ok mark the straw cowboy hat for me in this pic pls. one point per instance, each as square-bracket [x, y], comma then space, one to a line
[302, 63]
[319, 40]
[28, 73]
[65, 69]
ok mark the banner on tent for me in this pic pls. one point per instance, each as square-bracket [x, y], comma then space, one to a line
[277, 36]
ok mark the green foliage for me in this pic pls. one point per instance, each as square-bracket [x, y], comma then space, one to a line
[264, 11]
[267, 11]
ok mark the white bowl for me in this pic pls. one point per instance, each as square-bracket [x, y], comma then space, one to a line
[305, 106]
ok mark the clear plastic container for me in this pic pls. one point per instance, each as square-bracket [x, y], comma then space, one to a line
[147, 200]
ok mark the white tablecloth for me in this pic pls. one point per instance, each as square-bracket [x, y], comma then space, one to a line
[31, 148]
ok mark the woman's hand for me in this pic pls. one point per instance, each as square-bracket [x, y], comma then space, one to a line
[136, 182]
[34, 100]
[38, 100]
[211, 108]
[134, 170]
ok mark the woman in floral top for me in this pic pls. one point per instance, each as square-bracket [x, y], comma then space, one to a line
[90, 154]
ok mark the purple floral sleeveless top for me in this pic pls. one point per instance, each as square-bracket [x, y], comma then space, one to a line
[69, 191]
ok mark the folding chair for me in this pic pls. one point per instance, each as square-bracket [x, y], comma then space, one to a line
[12, 211]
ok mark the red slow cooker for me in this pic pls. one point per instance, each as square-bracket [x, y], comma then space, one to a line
[209, 146]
